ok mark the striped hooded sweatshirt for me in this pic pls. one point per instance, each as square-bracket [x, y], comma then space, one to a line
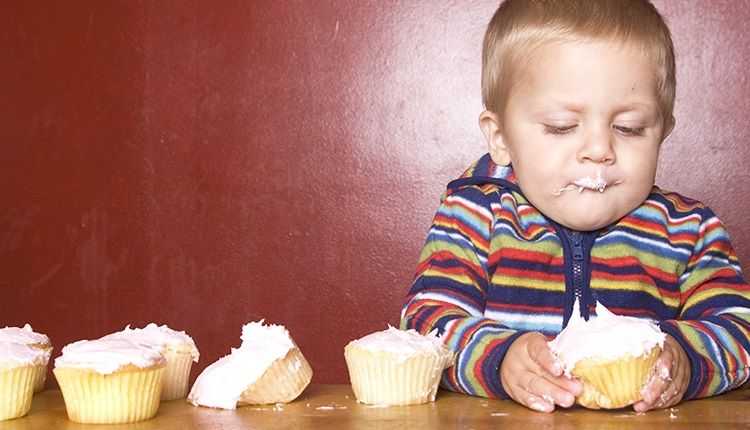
[493, 267]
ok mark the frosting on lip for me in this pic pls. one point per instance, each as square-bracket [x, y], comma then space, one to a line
[19, 354]
[221, 384]
[606, 336]
[597, 183]
[105, 356]
[159, 337]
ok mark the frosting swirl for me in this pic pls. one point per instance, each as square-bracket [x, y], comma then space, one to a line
[221, 384]
[105, 356]
[606, 336]
[404, 343]
[158, 336]
[25, 335]
[17, 354]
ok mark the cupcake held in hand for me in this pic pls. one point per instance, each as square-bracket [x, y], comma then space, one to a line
[613, 356]
[396, 367]
[177, 348]
[110, 380]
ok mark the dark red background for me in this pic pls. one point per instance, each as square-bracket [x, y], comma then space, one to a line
[205, 164]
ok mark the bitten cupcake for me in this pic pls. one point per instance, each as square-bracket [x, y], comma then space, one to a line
[177, 348]
[396, 367]
[267, 368]
[18, 370]
[28, 336]
[110, 381]
[613, 356]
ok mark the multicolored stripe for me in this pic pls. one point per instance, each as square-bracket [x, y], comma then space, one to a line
[493, 268]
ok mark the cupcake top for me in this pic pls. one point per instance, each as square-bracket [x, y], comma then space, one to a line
[606, 336]
[221, 384]
[25, 335]
[159, 337]
[105, 356]
[405, 343]
[17, 354]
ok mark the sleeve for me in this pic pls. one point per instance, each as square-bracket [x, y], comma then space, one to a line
[714, 323]
[449, 294]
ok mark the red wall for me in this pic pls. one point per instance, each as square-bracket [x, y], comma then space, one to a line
[205, 164]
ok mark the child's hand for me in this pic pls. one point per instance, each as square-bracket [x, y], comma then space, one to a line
[669, 381]
[532, 377]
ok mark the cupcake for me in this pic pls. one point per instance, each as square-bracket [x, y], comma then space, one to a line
[110, 380]
[267, 368]
[18, 371]
[27, 336]
[613, 356]
[396, 367]
[177, 348]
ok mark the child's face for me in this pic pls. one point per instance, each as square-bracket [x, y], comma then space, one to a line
[582, 128]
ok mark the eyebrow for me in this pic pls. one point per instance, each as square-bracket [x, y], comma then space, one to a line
[540, 107]
[639, 106]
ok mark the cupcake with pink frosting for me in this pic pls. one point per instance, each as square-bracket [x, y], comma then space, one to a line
[109, 381]
[19, 365]
[177, 348]
[613, 356]
[27, 336]
[267, 368]
[396, 367]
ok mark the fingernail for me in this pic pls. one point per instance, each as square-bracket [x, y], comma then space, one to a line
[541, 407]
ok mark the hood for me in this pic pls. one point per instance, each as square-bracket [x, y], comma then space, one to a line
[485, 171]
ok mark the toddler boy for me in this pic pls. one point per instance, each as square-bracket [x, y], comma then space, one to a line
[579, 97]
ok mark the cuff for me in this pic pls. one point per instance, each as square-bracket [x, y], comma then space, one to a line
[490, 366]
[697, 365]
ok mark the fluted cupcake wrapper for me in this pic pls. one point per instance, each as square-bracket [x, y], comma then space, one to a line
[121, 397]
[282, 382]
[40, 374]
[176, 374]
[16, 391]
[615, 383]
[384, 378]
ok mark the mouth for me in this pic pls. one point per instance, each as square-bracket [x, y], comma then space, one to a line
[587, 183]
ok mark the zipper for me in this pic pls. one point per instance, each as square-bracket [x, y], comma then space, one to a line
[577, 251]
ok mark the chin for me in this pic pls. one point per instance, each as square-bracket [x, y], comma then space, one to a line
[586, 222]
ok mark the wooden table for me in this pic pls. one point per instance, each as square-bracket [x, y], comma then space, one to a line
[334, 407]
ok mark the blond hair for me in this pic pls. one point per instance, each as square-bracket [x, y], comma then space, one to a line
[520, 26]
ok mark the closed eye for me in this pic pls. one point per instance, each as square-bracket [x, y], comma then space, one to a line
[629, 131]
[554, 129]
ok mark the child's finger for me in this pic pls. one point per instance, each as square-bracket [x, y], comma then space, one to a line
[656, 393]
[537, 403]
[571, 385]
[549, 391]
[541, 354]
[657, 385]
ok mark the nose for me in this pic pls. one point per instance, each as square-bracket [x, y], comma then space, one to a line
[598, 147]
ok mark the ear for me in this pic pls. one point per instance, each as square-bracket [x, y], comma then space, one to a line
[490, 124]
